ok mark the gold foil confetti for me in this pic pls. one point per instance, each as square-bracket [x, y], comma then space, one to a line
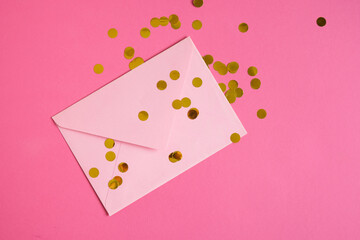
[123, 167]
[113, 184]
[109, 143]
[220, 67]
[239, 92]
[129, 52]
[118, 179]
[193, 113]
[233, 84]
[176, 104]
[208, 59]
[222, 86]
[161, 85]
[98, 68]
[243, 27]
[261, 113]
[143, 115]
[175, 156]
[155, 22]
[176, 25]
[112, 33]
[235, 137]
[94, 172]
[197, 3]
[230, 95]
[252, 71]
[255, 83]
[145, 32]
[110, 156]
[164, 21]
[136, 62]
[173, 19]
[321, 21]
[185, 102]
[174, 75]
[197, 24]
[232, 67]
[197, 82]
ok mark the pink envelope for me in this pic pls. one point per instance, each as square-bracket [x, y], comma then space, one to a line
[124, 157]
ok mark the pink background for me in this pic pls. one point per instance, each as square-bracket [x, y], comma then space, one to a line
[294, 176]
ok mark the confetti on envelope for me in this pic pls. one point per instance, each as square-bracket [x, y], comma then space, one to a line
[149, 125]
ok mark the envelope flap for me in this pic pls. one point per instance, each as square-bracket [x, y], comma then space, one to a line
[112, 111]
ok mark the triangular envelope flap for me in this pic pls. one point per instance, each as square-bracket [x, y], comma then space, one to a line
[112, 111]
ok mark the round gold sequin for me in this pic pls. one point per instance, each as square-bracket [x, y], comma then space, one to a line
[143, 115]
[98, 68]
[321, 21]
[232, 67]
[145, 32]
[243, 27]
[197, 82]
[112, 33]
[222, 86]
[230, 95]
[235, 137]
[136, 62]
[113, 184]
[164, 21]
[175, 156]
[193, 113]
[129, 52]
[110, 156]
[198, 3]
[261, 113]
[239, 92]
[197, 24]
[176, 25]
[161, 85]
[155, 22]
[118, 179]
[233, 84]
[176, 104]
[220, 67]
[252, 71]
[173, 19]
[109, 143]
[94, 172]
[174, 75]
[185, 102]
[123, 167]
[208, 59]
[255, 83]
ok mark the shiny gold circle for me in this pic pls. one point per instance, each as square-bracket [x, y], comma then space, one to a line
[136, 62]
[233, 84]
[197, 82]
[208, 59]
[94, 172]
[109, 143]
[110, 156]
[118, 179]
[129, 52]
[321, 21]
[255, 83]
[222, 86]
[235, 137]
[174, 75]
[173, 19]
[232, 67]
[197, 24]
[176, 104]
[112, 33]
[176, 25]
[243, 27]
[220, 67]
[123, 167]
[193, 113]
[230, 95]
[143, 115]
[145, 32]
[185, 102]
[239, 92]
[252, 71]
[164, 21]
[261, 113]
[161, 85]
[175, 156]
[198, 3]
[113, 184]
[98, 68]
[155, 22]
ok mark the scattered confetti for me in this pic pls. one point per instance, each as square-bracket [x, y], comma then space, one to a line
[197, 24]
[110, 156]
[174, 75]
[220, 67]
[261, 113]
[239, 92]
[155, 22]
[230, 95]
[129, 52]
[161, 85]
[222, 86]
[185, 102]
[98, 68]
[113, 184]
[243, 27]
[232, 67]
[175, 156]
[255, 83]
[252, 71]
[94, 172]
[198, 3]
[145, 32]
[109, 143]
[233, 84]
[193, 113]
[123, 167]
[176, 104]
[112, 33]
[164, 21]
[235, 137]
[136, 62]
[208, 59]
[197, 82]
[321, 21]
[143, 115]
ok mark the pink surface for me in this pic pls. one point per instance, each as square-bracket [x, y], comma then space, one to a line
[294, 176]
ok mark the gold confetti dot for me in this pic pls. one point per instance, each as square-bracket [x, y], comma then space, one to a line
[94, 172]
[208, 59]
[197, 24]
[193, 113]
[233, 84]
[261, 113]
[155, 22]
[174, 75]
[176, 25]
[235, 137]
[143, 115]
[129, 52]
[232, 67]
[220, 67]
[230, 95]
[98, 68]
[123, 167]
[136, 62]
[176, 104]
[110, 156]
[197, 82]
[252, 71]
[175, 156]
[109, 143]
[239, 92]
[161, 85]
[145, 32]
[173, 19]
[113, 184]
[198, 3]
[222, 86]
[112, 33]
[118, 179]
[321, 21]
[243, 27]
[164, 21]
[185, 102]
[255, 83]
